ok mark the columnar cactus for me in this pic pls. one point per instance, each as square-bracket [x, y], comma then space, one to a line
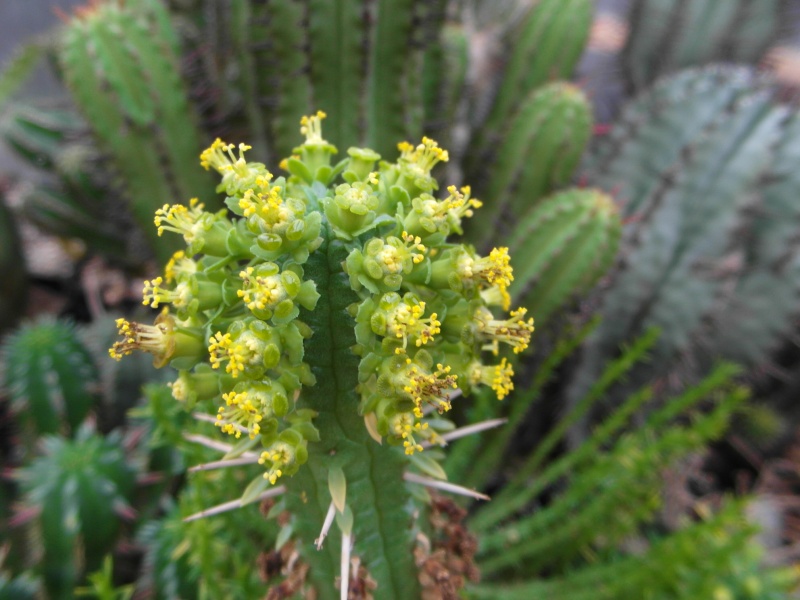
[339, 326]
[80, 489]
[569, 242]
[50, 377]
[121, 66]
[712, 216]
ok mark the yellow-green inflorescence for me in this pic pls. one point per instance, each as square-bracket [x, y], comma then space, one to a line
[427, 323]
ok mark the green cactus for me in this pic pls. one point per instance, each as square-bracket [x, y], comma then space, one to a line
[544, 47]
[540, 150]
[569, 241]
[667, 35]
[80, 487]
[12, 265]
[122, 71]
[714, 137]
[444, 76]
[50, 377]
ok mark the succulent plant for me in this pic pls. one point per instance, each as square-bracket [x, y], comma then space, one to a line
[79, 489]
[122, 69]
[337, 321]
[710, 213]
[50, 377]
[668, 35]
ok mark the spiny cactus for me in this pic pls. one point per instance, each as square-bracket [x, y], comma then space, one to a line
[393, 320]
[537, 153]
[121, 68]
[667, 35]
[79, 488]
[50, 377]
[569, 241]
[710, 211]
[545, 46]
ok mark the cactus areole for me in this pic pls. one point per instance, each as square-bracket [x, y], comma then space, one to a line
[335, 325]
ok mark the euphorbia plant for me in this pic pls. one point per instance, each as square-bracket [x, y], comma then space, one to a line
[335, 325]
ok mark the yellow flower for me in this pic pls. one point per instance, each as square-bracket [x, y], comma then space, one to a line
[515, 331]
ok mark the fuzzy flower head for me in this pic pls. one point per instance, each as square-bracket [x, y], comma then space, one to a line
[415, 165]
[406, 427]
[383, 263]
[430, 216]
[514, 331]
[285, 455]
[190, 294]
[202, 231]
[238, 175]
[270, 293]
[179, 266]
[421, 382]
[403, 320]
[164, 340]
[498, 377]
[281, 223]
[276, 459]
[249, 404]
[248, 347]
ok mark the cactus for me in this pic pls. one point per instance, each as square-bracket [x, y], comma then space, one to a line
[570, 241]
[540, 150]
[123, 74]
[353, 261]
[79, 487]
[50, 377]
[715, 136]
[12, 265]
[545, 46]
[667, 35]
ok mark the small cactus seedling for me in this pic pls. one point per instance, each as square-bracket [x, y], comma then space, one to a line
[340, 326]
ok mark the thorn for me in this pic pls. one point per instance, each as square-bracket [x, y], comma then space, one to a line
[207, 442]
[469, 430]
[326, 526]
[344, 567]
[233, 504]
[246, 459]
[444, 486]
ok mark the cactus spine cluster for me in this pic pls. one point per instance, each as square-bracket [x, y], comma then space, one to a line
[335, 322]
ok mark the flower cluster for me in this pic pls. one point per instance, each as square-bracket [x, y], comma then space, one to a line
[232, 300]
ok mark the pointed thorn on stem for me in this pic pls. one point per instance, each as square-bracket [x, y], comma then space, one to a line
[326, 526]
[444, 486]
